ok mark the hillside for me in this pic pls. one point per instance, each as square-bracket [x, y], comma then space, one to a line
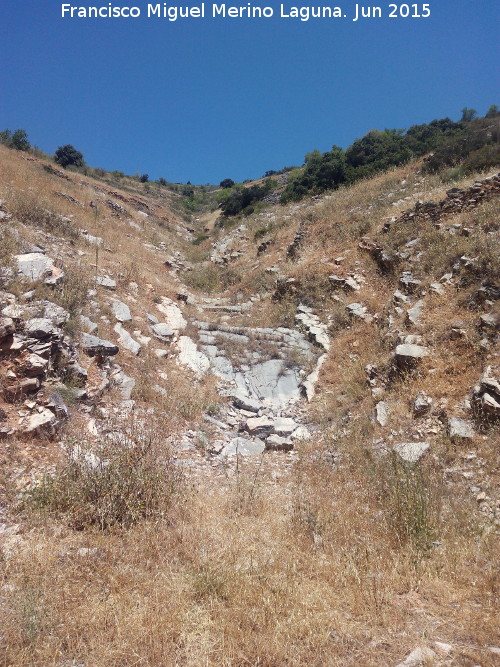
[272, 442]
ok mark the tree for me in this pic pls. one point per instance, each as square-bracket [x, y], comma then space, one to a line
[18, 139]
[144, 178]
[493, 111]
[468, 115]
[226, 183]
[5, 137]
[68, 155]
[312, 156]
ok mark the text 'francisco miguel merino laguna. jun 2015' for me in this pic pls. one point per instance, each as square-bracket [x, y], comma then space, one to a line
[167, 12]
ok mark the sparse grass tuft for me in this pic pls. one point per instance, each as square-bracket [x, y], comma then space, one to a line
[408, 492]
[211, 279]
[71, 293]
[9, 246]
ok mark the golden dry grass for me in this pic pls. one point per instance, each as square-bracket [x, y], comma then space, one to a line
[311, 571]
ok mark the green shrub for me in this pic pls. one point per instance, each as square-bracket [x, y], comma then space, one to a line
[482, 159]
[118, 483]
[199, 239]
[240, 199]
[472, 142]
[262, 231]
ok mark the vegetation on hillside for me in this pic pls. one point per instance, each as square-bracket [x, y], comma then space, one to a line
[241, 199]
[17, 140]
[68, 156]
[469, 144]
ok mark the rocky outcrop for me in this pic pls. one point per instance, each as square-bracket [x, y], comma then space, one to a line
[422, 404]
[486, 395]
[408, 283]
[348, 284]
[36, 266]
[121, 311]
[359, 311]
[407, 356]
[316, 330]
[294, 247]
[40, 422]
[190, 356]
[456, 201]
[7, 328]
[106, 282]
[94, 346]
[126, 340]
[172, 314]
[460, 430]
[411, 452]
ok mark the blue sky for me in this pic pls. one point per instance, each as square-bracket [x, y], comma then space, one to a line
[206, 99]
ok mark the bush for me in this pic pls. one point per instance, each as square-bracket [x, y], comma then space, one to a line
[144, 178]
[474, 145]
[119, 484]
[377, 151]
[68, 156]
[226, 183]
[199, 239]
[239, 199]
[482, 159]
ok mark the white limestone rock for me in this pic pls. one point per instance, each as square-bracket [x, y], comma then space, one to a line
[106, 282]
[244, 447]
[163, 332]
[381, 413]
[37, 266]
[126, 339]
[190, 356]
[411, 451]
[121, 311]
[172, 314]
[460, 430]
[259, 425]
[43, 421]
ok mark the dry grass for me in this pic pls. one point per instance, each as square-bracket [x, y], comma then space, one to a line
[440, 249]
[314, 571]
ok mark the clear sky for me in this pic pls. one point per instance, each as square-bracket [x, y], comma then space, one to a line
[205, 99]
